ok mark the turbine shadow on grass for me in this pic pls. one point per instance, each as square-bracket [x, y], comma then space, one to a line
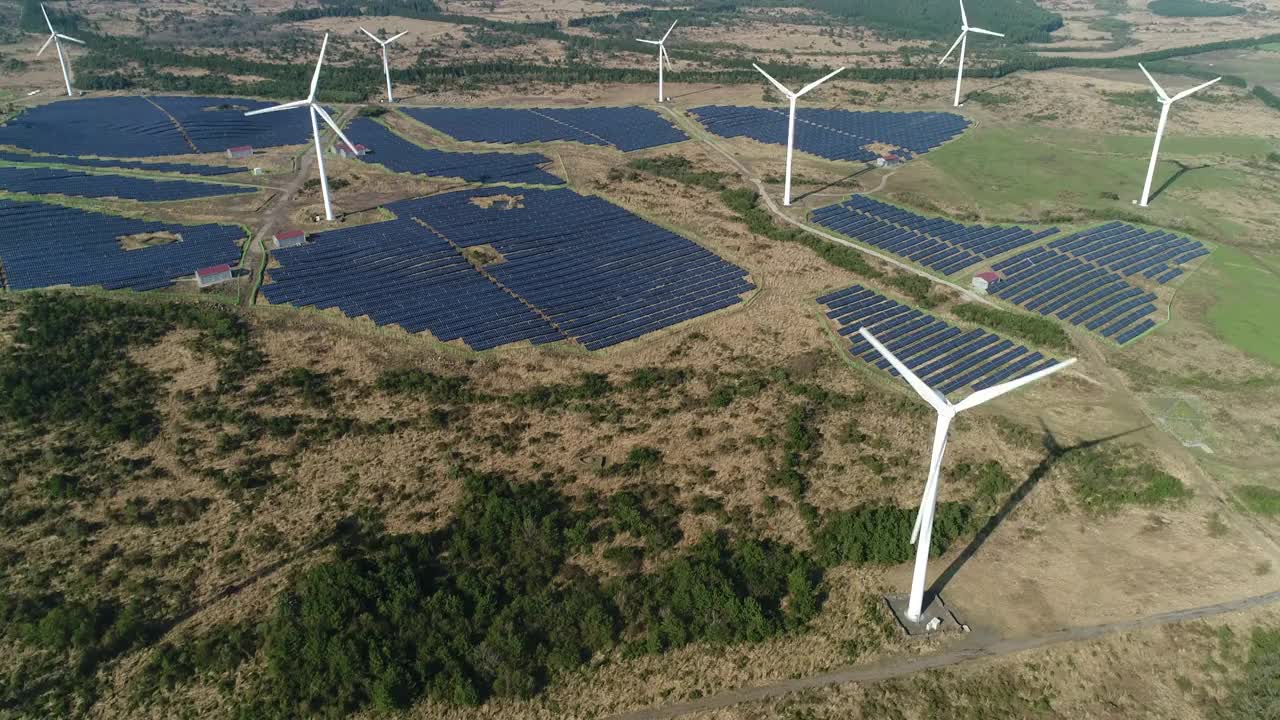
[1183, 169]
[979, 93]
[1053, 453]
[833, 183]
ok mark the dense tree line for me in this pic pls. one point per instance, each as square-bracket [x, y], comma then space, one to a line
[1193, 8]
[1271, 99]
[1019, 20]
[1032, 328]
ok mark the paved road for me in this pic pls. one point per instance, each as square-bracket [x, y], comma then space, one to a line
[900, 667]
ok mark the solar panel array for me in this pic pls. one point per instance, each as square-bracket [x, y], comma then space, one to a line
[44, 245]
[835, 134]
[626, 128]
[1083, 278]
[45, 181]
[942, 245]
[945, 357]
[161, 167]
[145, 127]
[571, 267]
[400, 155]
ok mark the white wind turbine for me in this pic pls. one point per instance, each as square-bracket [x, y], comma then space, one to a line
[662, 57]
[963, 42]
[386, 69]
[316, 111]
[922, 534]
[54, 37]
[1165, 103]
[791, 121]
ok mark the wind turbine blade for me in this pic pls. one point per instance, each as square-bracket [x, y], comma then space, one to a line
[278, 108]
[673, 27]
[964, 19]
[45, 46]
[47, 21]
[980, 31]
[992, 393]
[940, 434]
[649, 42]
[954, 45]
[375, 37]
[663, 49]
[1159, 90]
[329, 121]
[67, 37]
[394, 38]
[782, 88]
[931, 396]
[816, 83]
[315, 79]
[1195, 89]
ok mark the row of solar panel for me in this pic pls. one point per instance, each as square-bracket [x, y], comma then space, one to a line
[51, 181]
[943, 356]
[45, 245]
[1130, 250]
[145, 126]
[400, 155]
[835, 134]
[580, 267]
[626, 128]
[942, 245]
[159, 167]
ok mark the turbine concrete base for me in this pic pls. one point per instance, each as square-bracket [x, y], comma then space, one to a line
[934, 608]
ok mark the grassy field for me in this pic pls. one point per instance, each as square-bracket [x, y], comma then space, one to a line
[1029, 173]
[1260, 65]
[1244, 312]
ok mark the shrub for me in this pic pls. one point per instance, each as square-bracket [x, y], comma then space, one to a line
[881, 535]
[428, 385]
[743, 202]
[1107, 479]
[1260, 499]
[680, 169]
[1038, 330]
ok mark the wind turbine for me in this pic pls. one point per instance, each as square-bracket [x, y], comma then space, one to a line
[316, 111]
[791, 121]
[1165, 103]
[386, 69]
[662, 57]
[963, 42]
[54, 37]
[947, 412]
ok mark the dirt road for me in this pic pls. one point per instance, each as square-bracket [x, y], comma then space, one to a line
[278, 208]
[979, 650]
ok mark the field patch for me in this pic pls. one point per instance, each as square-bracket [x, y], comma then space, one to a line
[1247, 296]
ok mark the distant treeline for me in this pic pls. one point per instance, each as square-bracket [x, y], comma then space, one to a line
[356, 8]
[1271, 99]
[1193, 8]
[1019, 20]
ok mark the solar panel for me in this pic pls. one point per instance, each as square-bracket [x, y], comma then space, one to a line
[626, 128]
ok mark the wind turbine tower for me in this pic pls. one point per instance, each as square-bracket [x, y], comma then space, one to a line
[963, 42]
[662, 57]
[386, 68]
[922, 534]
[1165, 103]
[55, 37]
[791, 121]
[316, 111]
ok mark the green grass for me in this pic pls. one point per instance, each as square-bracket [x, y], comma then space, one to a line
[1259, 499]
[1246, 297]
[1028, 174]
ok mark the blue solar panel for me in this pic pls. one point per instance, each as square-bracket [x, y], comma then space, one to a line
[134, 127]
[46, 181]
[44, 245]
[571, 267]
[945, 356]
[626, 128]
[158, 167]
[936, 243]
[400, 155]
